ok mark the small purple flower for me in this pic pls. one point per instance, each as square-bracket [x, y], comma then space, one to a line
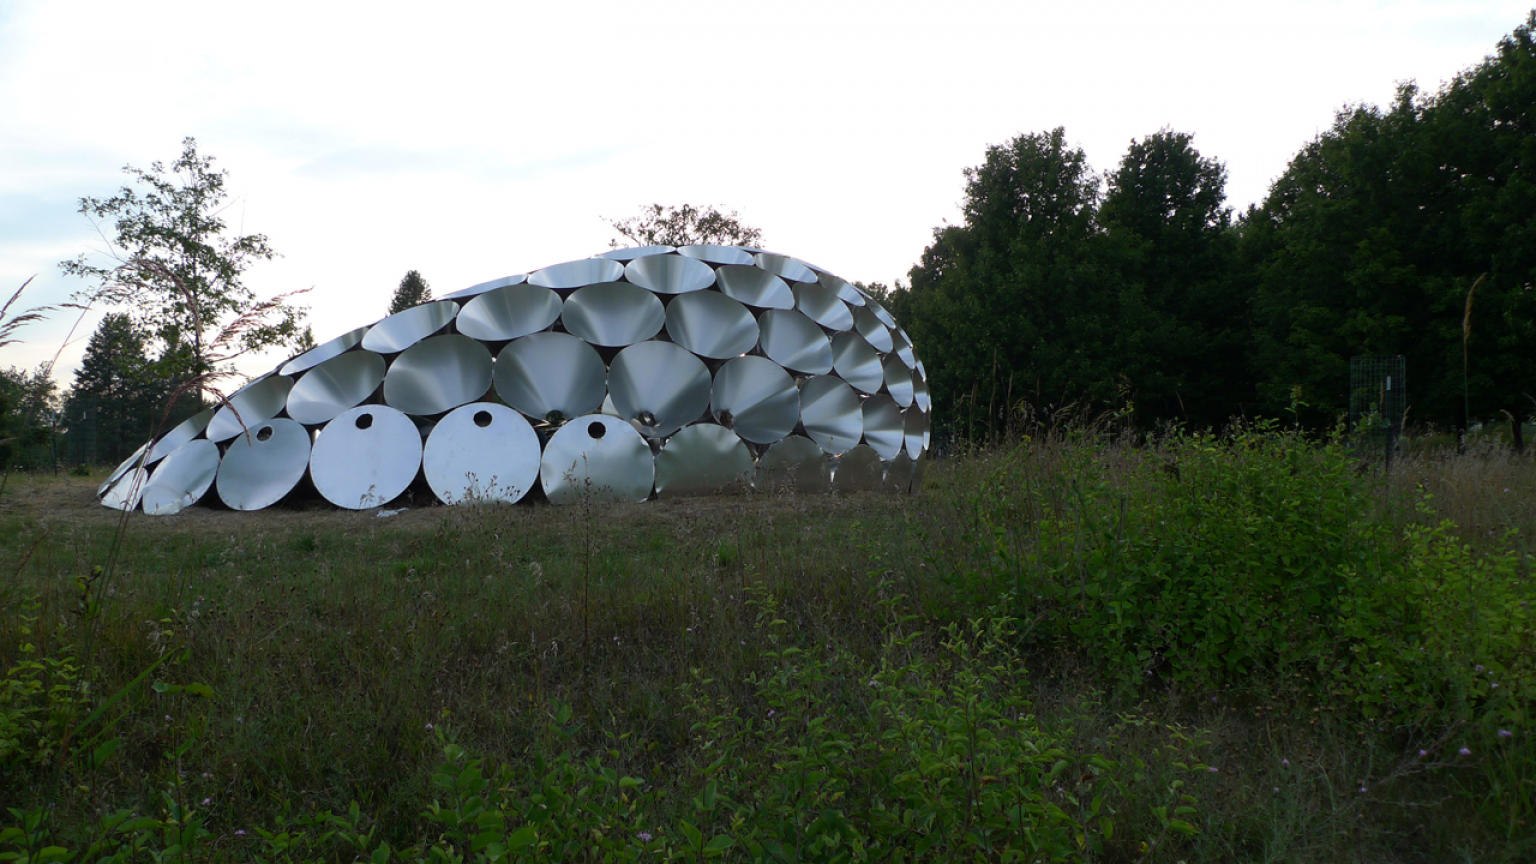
[167, 718]
[1494, 686]
[770, 712]
[1465, 751]
[1505, 733]
[430, 727]
[1285, 763]
[645, 837]
[1214, 699]
[1213, 769]
[240, 833]
[239, 719]
[207, 801]
[1423, 753]
[1277, 788]
[1478, 667]
[1362, 790]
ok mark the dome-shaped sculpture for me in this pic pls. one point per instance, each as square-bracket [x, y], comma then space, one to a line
[640, 372]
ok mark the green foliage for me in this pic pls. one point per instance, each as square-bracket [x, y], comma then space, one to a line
[412, 291]
[685, 225]
[178, 270]
[1373, 237]
[118, 397]
[28, 408]
[40, 697]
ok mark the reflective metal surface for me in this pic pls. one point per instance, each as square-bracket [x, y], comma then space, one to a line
[904, 349]
[597, 458]
[717, 254]
[125, 492]
[830, 412]
[898, 380]
[634, 252]
[613, 314]
[321, 353]
[255, 403]
[184, 431]
[365, 457]
[437, 375]
[856, 362]
[509, 312]
[483, 287]
[782, 265]
[711, 324]
[577, 338]
[670, 274]
[704, 459]
[822, 306]
[404, 329]
[755, 286]
[885, 317]
[551, 377]
[915, 432]
[259, 471]
[334, 386]
[126, 466]
[658, 386]
[756, 398]
[859, 470]
[869, 326]
[883, 426]
[182, 478]
[795, 342]
[898, 473]
[574, 274]
[795, 464]
[842, 287]
[479, 453]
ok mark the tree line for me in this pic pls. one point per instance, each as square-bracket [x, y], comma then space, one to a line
[1404, 230]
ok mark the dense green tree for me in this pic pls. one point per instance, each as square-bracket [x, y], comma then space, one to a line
[413, 291]
[1020, 302]
[687, 225]
[177, 269]
[118, 399]
[1373, 238]
[28, 412]
[1186, 338]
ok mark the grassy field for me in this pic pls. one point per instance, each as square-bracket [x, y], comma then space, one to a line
[1068, 649]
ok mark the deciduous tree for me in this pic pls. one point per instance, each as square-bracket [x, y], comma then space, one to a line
[687, 225]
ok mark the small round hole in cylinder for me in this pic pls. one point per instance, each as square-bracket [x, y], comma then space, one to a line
[597, 430]
[364, 421]
[482, 419]
[265, 433]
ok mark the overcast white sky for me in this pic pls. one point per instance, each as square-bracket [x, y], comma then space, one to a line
[474, 140]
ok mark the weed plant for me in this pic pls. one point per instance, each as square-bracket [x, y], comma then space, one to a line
[1074, 647]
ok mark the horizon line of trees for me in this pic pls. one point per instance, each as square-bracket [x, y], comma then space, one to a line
[1406, 230]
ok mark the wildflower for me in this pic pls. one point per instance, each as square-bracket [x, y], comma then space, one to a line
[1277, 788]
[1465, 751]
[645, 837]
[239, 719]
[770, 712]
[429, 727]
[1214, 699]
[167, 718]
[1285, 763]
[1423, 753]
[1505, 733]
[1494, 686]
[1478, 667]
[1362, 790]
[207, 801]
[1213, 770]
[240, 833]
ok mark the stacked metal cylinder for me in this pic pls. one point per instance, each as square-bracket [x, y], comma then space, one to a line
[647, 371]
